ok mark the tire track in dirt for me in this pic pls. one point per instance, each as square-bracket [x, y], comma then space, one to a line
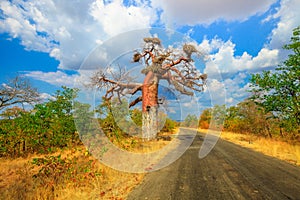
[228, 172]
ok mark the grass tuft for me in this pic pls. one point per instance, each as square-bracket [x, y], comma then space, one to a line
[271, 147]
[71, 174]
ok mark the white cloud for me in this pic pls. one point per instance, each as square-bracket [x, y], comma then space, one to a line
[191, 12]
[45, 97]
[68, 31]
[189, 102]
[222, 62]
[215, 93]
[289, 18]
[116, 18]
[223, 59]
[229, 91]
[57, 78]
[80, 80]
[265, 58]
[236, 88]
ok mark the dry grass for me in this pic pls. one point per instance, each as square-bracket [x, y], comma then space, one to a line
[99, 182]
[271, 147]
[17, 182]
[111, 185]
[138, 145]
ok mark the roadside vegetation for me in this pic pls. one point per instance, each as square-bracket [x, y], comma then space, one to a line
[269, 120]
[67, 174]
[273, 108]
[271, 147]
[42, 156]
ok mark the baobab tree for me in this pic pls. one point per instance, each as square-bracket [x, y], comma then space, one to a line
[174, 65]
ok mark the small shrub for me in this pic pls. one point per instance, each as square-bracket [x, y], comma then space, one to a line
[58, 170]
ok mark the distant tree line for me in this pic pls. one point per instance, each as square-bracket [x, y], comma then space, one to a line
[273, 110]
[50, 125]
[190, 121]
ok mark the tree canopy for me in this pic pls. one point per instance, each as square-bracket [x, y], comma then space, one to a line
[279, 91]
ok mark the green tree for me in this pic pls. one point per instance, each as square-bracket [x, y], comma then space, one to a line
[191, 121]
[107, 120]
[247, 117]
[213, 117]
[218, 116]
[83, 117]
[279, 91]
[136, 116]
[48, 125]
[60, 117]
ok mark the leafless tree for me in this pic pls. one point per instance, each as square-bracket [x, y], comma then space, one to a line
[174, 65]
[17, 91]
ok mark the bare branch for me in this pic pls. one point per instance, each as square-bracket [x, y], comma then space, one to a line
[136, 89]
[17, 91]
[173, 64]
[119, 87]
[181, 89]
[136, 101]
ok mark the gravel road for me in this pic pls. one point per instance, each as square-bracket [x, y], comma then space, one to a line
[228, 172]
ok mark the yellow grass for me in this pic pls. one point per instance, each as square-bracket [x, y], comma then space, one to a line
[138, 145]
[17, 182]
[271, 147]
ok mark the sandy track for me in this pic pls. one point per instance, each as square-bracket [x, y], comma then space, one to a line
[228, 172]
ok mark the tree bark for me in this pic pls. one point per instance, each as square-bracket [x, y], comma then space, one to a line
[150, 106]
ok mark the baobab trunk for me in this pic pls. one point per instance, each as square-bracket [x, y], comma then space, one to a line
[150, 106]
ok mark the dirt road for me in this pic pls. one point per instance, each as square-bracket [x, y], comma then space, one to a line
[228, 172]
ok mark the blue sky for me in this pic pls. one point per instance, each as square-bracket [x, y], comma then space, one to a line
[47, 41]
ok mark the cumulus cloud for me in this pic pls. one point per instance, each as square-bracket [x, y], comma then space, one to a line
[191, 12]
[289, 18]
[68, 31]
[229, 91]
[236, 87]
[45, 97]
[57, 78]
[215, 93]
[222, 58]
[228, 73]
[115, 17]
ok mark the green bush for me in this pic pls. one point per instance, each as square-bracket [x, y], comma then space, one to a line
[48, 126]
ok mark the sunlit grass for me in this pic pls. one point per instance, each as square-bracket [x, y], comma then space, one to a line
[17, 182]
[17, 175]
[271, 147]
